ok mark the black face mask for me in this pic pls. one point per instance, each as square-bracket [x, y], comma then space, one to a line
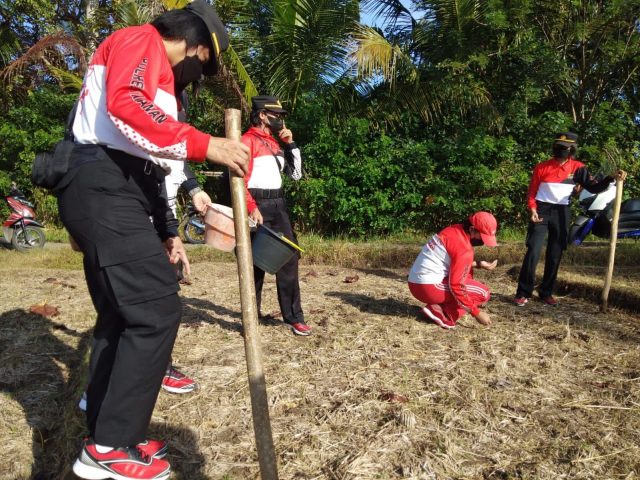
[276, 124]
[477, 242]
[560, 152]
[185, 72]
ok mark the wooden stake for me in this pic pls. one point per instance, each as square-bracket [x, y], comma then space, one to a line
[604, 306]
[257, 383]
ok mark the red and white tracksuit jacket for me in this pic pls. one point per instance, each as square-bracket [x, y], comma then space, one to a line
[553, 183]
[264, 172]
[128, 103]
[446, 263]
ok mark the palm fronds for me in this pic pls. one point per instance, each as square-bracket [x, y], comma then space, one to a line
[54, 49]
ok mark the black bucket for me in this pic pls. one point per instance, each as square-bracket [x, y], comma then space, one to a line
[271, 250]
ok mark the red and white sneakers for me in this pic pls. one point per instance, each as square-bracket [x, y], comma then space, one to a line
[520, 301]
[435, 313]
[124, 463]
[300, 328]
[549, 301]
[175, 381]
[153, 448]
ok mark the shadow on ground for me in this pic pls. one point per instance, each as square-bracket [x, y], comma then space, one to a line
[197, 310]
[378, 306]
[46, 376]
[34, 364]
[625, 299]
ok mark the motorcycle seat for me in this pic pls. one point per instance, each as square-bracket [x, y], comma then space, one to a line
[631, 205]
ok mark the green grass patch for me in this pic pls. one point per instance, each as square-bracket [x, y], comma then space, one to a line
[381, 252]
[59, 257]
[56, 234]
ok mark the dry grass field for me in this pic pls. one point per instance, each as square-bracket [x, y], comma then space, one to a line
[375, 393]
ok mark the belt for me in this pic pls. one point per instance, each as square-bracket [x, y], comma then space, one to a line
[128, 163]
[265, 193]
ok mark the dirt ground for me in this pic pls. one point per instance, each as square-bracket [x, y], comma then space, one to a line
[375, 393]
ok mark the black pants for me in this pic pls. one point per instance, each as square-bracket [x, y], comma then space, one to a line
[555, 224]
[274, 214]
[105, 206]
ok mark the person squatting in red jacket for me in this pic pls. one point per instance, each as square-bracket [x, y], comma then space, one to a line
[126, 133]
[265, 197]
[442, 274]
[552, 184]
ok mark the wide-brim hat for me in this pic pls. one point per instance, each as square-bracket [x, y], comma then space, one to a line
[567, 139]
[486, 225]
[219, 36]
[267, 102]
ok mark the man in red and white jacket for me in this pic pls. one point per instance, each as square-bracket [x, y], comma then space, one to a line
[442, 274]
[550, 190]
[127, 134]
[265, 197]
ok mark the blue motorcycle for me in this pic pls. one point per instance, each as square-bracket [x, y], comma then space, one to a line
[597, 216]
[192, 226]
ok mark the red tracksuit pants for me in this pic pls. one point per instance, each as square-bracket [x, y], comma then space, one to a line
[439, 294]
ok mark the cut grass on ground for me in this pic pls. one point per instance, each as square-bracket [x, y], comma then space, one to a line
[374, 393]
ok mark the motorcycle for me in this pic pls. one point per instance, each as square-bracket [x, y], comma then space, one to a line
[597, 215]
[192, 226]
[22, 229]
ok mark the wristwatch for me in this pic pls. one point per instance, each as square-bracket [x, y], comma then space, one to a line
[193, 191]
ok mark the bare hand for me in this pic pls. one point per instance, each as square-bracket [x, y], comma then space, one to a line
[534, 217]
[286, 135]
[200, 201]
[621, 175]
[176, 252]
[229, 153]
[488, 265]
[483, 318]
[256, 216]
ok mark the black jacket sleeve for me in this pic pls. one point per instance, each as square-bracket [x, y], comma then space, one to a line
[582, 177]
[191, 182]
[165, 223]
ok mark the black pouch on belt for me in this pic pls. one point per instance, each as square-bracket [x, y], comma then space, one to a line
[49, 167]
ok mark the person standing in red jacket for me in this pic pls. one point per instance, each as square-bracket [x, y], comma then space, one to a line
[265, 197]
[550, 190]
[442, 274]
[126, 132]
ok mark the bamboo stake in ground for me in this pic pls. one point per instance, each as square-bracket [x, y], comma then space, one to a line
[604, 306]
[257, 384]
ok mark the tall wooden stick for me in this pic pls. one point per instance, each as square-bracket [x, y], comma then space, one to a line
[257, 384]
[604, 306]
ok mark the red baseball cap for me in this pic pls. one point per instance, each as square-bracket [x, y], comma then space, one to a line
[486, 224]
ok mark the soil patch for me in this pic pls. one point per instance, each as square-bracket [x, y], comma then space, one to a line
[375, 392]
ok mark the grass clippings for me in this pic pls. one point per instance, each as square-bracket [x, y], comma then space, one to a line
[375, 393]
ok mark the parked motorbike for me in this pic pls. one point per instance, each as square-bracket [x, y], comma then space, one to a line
[22, 229]
[597, 216]
[192, 226]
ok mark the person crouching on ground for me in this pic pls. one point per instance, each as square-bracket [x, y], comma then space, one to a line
[265, 197]
[442, 275]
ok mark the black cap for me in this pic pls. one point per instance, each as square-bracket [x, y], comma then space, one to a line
[219, 35]
[567, 139]
[266, 102]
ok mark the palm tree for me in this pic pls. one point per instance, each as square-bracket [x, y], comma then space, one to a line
[419, 63]
[294, 47]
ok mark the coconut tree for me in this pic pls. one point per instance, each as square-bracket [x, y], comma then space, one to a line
[418, 62]
[567, 55]
[294, 47]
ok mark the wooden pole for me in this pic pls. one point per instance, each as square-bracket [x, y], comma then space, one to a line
[604, 306]
[257, 384]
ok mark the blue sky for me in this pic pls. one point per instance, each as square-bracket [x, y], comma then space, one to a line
[368, 19]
